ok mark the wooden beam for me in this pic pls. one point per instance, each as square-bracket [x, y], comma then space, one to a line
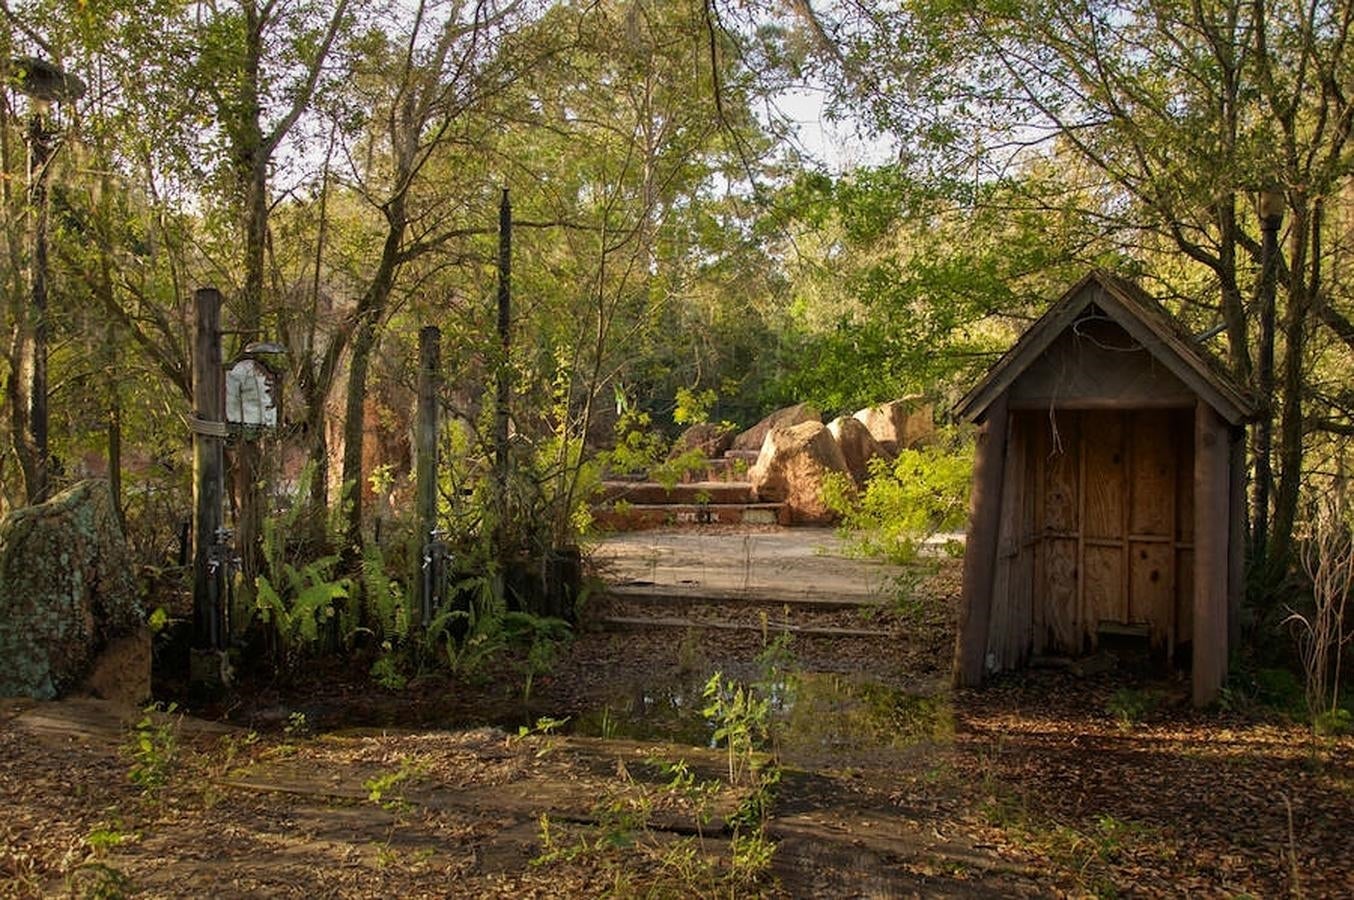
[425, 454]
[209, 406]
[1236, 548]
[980, 554]
[1212, 535]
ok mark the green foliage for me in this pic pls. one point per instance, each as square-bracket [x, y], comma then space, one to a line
[387, 606]
[1129, 705]
[693, 406]
[153, 745]
[295, 593]
[1334, 722]
[300, 603]
[924, 491]
[639, 446]
[741, 719]
[381, 787]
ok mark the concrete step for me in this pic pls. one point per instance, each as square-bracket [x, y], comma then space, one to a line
[625, 516]
[718, 469]
[654, 596]
[697, 492]
[626, 623]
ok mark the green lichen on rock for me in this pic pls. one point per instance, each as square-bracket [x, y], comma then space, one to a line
[66, 590]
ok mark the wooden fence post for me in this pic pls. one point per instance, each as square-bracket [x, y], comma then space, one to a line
[503, 386]
[209, 431]
[425, 445]
[980, 547]
[1212, 535]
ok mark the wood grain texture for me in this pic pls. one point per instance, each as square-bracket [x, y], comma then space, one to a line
[975, 604]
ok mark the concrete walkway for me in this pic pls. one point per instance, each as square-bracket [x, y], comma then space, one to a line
[785, 563]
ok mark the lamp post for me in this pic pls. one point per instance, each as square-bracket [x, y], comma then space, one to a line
[44, 84]
[1269, 206]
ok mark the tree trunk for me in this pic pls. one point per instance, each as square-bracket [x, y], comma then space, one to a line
[1306, 227]
[370, 313]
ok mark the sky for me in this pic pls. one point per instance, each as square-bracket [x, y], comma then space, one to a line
[839, 146]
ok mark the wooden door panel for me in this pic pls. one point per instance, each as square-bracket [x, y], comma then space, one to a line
[1152, 474]
[1059, 597]
[1152, 587]
[1103, 435]
[1104, 574]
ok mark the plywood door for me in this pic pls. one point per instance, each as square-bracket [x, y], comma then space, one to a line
[1107, 507]
[1105, 474]
[1058, 615]
[1152, 523]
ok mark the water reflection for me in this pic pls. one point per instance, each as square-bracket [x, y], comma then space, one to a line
[810, 713]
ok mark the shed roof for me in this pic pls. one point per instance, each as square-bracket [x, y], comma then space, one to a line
[1138, 313]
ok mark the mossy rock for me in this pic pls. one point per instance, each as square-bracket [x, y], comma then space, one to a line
[66, 590]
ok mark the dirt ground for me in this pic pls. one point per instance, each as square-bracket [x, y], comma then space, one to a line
[886, 783]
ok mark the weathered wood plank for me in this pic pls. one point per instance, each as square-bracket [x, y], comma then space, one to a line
[975, 605]
[1061, 473]
[1154, 487]
[1152, 590]
[1103, 574]
[1061, 620]
[1105, 474]
[1212, 502]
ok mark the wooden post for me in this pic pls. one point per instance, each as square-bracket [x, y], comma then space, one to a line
[980, 549]
[209, 430]
[1212, 535]
[425, 445]
[1236, 547]
[504, 380]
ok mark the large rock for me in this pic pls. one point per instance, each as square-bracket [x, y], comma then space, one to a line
[66, 591]
[710, 438]
[791, 468]
[753, 438]
[858, 446]
[899, 424]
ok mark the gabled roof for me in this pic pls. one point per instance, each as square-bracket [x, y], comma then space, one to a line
[1146, 320]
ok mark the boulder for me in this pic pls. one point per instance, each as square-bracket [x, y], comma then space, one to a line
[782, 418]
[858, 446]
[899, 424]
[791, 468]
[710, 438]
[66, 593]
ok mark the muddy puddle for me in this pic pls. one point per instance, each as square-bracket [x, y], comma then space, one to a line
[812, 717]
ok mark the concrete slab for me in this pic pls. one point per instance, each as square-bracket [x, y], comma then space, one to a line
[769, 563]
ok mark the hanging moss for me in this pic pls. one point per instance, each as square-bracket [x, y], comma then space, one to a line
[66, 590]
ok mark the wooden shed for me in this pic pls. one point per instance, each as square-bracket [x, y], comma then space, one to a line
[1108, 491]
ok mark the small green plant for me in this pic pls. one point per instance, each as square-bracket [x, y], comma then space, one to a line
[1129, 705]
[102, 838]
[385, 671]
[545, 725]
[380, 787]
[298, 725]
[1333, 722]
[741, 720]
[153, 745]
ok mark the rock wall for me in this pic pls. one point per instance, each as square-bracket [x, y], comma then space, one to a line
[66, 591]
